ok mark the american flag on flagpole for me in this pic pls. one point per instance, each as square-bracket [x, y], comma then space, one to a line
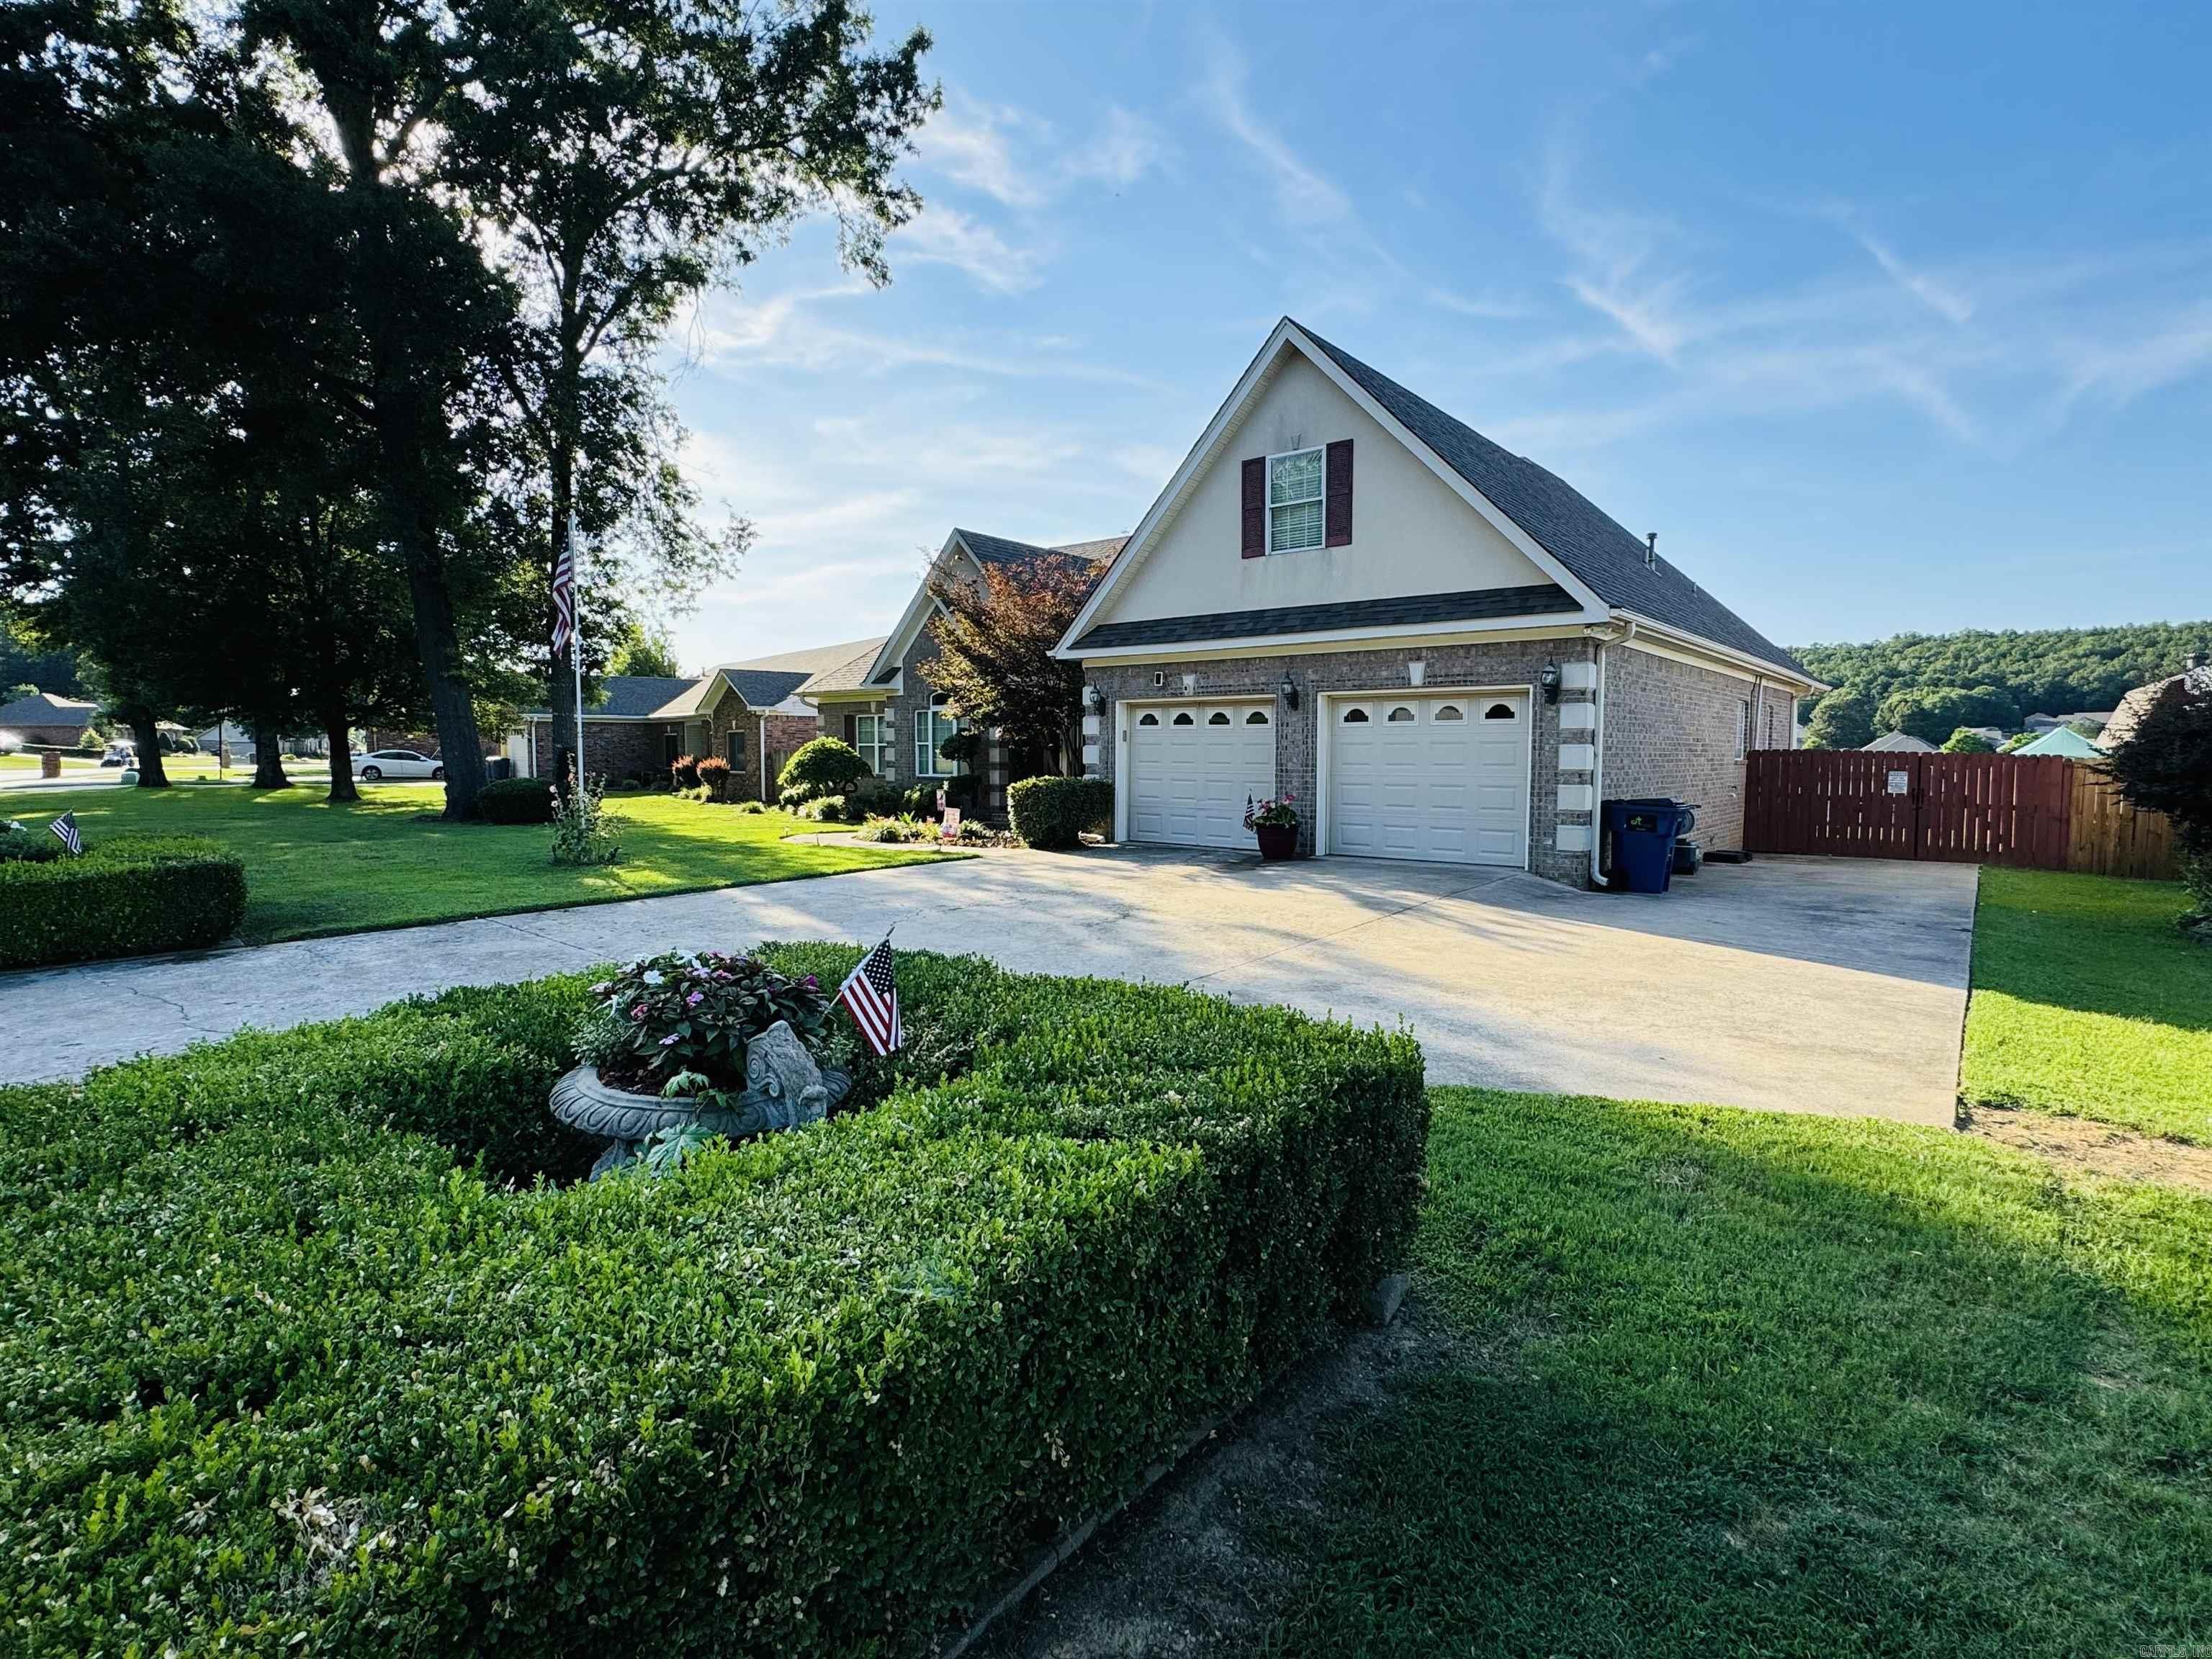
[66, 827]
[564, 593]
[872, 999]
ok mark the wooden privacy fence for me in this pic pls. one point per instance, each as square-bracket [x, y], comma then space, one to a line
[2043, 812]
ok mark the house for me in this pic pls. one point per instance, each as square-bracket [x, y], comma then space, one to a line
[45, 721]
[2196, 677]
[1898, 743]
[885, 703]
[2063, 740]
[2039, 723]
[747, 712]
[1442, 650]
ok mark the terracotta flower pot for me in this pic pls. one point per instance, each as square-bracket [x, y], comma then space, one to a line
[1277, 841]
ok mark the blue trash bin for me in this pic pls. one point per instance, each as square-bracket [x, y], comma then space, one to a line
[1640, 843]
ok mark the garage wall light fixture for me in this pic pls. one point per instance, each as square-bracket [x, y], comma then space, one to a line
[1092, 700]
[1289, 693]
[1549, 680]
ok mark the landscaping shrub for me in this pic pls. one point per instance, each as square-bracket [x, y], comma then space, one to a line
[1055, 811]
[24, 843]
[820, 768]
[684, 772]
[285, 1370]
[752, 806]
[715, 776]
[516, 800]
[128, 896]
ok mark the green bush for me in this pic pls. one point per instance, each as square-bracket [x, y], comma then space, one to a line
[289, 1367]
[27, 843]
[516, 800]
[1054, 812]
[124, 897]
[822, 767]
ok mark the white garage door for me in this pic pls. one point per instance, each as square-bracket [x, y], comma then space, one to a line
[1191, 767]
[1429, 776]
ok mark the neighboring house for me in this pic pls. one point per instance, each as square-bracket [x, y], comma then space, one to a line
[1898, 743]
[2197, 676]
[2039, 723]
[747, 712]
[1443, 651]
[44, 720]
[884, 702]
[2063, 740]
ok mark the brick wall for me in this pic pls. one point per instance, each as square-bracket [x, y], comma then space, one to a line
[613, 749]
[1672, 728]
[1512, 663]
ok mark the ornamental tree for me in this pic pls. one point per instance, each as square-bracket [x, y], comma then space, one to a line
[2165, 766]
[995, 641]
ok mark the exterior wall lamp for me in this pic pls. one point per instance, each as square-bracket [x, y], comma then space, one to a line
[1549, 680]
[1092, 700]
[1290, 692]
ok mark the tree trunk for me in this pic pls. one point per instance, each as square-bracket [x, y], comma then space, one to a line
[268, 759]
[336, 733]
[147, 734]
[561, 678]
[453, 711]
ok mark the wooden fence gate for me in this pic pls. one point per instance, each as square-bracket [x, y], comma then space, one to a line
[2043, 812]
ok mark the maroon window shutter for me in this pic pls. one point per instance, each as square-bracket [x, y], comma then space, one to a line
[853, 730]
[1337, 482]
[1256, 507]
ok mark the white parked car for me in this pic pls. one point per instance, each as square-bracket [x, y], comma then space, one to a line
[396, 764]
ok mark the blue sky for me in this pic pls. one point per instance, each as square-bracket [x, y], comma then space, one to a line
[1884, 318]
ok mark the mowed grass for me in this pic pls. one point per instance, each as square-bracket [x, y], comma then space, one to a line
[1694, 1382]
[2087, 1001]
[312, 868]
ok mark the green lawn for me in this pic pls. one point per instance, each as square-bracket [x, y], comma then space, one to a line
[1696, 1381]
[2088, 1002]
[313, 868]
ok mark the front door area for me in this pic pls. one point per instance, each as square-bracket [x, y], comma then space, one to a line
[1191, 767]
[1439, 776]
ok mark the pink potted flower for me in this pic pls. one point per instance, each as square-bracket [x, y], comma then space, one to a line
[1275, 822]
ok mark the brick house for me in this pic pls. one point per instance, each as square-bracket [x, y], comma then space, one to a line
[45, 721]
[747, 712]
[885, 703]
[1441, 649]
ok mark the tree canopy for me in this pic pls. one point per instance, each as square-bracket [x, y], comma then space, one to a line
[2052, 671]
[994, 663]
[2165, 766]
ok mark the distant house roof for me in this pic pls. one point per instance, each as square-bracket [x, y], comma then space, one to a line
[2197, 676]
[45, 708]
[628, 697]
[1898, 743]
[840, 667]
[1092, 557]
[997, 550]
[1596, 547]
[2061, 740]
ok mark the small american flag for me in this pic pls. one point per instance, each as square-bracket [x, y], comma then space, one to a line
[872, 1000]
[564, 593]
[66, 827]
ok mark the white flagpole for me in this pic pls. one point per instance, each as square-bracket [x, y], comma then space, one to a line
[577, 634]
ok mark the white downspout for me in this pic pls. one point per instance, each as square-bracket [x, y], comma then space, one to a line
[1603, 636]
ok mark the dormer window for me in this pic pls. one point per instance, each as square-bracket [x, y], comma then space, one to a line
[1294, 501]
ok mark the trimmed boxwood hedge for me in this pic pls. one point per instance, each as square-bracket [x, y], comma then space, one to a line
[1055, 811]
[292, 1361]
[516, 800]
[128, 896]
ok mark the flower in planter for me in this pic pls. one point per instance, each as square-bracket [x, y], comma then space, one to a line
[681, 1013]
[1276, 813]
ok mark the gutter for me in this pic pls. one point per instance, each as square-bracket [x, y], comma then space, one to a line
[1602, 634]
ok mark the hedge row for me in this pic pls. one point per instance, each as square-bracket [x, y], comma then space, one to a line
[128, 896]
[516, 800]
[1055, 811]
[281, 1373]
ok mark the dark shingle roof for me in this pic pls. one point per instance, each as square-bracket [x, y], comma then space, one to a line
[48, 708]
[1565, 523]
[628, 696]
[847, 670]
[1541, 599]
[764, 688]
[996, 550]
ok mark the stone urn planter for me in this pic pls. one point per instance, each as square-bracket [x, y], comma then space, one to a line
[784, 1090]
[1278, 842]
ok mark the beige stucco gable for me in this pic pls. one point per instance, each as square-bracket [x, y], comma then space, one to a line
[1410, 532]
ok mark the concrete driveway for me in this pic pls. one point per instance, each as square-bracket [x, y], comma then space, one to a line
[1796, 984]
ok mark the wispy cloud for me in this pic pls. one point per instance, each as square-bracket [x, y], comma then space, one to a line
[944, 235]
[1619, 269]
[1931, 291]
[1304, 197]
[1019, 159]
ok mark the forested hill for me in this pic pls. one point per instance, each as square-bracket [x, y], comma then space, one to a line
[2051, 671]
